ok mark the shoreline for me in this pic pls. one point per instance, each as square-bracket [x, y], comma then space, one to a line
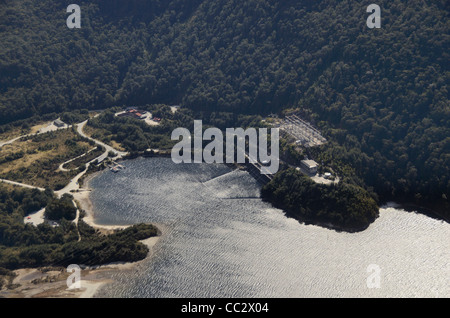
[52, 282]
[427, 210]
[83, 199]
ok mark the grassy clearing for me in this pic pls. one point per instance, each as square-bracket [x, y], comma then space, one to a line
[35, 160]
[80, 162]
[9, 187]
[21, 130]
[104, 136]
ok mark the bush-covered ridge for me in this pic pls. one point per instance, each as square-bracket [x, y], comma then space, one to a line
[341, 206]
[24, 245]
[379, 95]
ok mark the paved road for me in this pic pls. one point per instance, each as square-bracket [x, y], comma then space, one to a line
[21, 184]
[61, 166]
[50, 127]
[3, 143]
[108, 148]
[73, 185]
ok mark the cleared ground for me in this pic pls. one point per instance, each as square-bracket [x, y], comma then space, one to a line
[305, 134]
[34, 160]
[104, 135]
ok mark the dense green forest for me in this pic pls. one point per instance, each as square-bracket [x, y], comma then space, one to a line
[136, 136]
[62, 208]
[343, 206]
[25, 245]
[379, 95]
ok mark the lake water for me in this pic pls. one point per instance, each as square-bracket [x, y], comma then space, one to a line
[221, 240]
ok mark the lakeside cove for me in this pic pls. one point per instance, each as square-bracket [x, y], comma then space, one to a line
[248, 231]
[261, 250]
[240, 183]
[255, 171]
[51, 282]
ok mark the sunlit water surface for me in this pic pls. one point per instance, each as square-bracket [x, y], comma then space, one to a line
[221, 240]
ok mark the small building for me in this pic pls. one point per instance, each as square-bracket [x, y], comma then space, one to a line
[133, 113]
[174, 108]
[310, 166]
[59, 123]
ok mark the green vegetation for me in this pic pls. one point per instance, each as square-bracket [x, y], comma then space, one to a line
[342, 206]
[80, 163]
[35, 159]
[62, 208]
[19, 202]
[135, 135]
[132, 134]
[31, 125]
[380, 96]
[24, 245]
[122, 246]
[74, 116]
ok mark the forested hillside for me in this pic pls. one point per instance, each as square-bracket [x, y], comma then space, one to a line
[380, 95]
[342, 206]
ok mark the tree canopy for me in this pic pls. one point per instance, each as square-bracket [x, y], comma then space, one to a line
[379, 95]
[342, 206]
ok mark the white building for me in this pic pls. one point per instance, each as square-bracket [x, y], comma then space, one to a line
[59, 123]
[310, 166]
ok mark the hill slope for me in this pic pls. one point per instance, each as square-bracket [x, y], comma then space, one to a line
[380, 95]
